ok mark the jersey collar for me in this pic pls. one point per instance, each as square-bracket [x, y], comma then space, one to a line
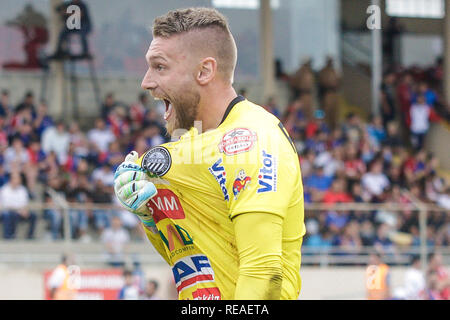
[233, 102]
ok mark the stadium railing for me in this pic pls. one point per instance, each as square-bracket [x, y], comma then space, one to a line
[39, 251]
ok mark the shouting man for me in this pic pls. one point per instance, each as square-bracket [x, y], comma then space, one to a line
[219, 246]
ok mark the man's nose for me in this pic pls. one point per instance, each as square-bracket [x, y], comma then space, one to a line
[148, 83]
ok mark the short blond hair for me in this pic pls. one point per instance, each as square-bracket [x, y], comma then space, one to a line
[213, 28]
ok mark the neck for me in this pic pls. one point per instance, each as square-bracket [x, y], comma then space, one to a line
[213, 105]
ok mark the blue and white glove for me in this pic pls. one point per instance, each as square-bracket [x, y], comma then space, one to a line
[133, 188]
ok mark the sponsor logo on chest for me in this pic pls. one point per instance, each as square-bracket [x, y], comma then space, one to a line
[237, 141]
[218, 171]
[192, 270]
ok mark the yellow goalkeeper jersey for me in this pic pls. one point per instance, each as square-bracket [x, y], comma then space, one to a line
[247, 164]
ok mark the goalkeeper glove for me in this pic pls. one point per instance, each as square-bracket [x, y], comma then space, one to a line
[133, 188]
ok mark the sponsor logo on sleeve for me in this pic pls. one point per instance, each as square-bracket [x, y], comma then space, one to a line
[240, 183]
[267, 178]
[157, 161]
[218, 171]
[237, 141]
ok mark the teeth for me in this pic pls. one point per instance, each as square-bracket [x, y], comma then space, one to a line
[168, 112]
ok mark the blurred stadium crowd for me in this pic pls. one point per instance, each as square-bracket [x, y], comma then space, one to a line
[343, 160]
[374, 159]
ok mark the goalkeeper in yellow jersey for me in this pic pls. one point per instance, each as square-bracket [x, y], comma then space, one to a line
[223, 204]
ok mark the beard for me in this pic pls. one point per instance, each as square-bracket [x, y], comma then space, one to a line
[185, 111]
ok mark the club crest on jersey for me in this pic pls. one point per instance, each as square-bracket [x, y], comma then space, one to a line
[267, 178]
[157, 161]
[240, 183]
[218, 171]
[237, 141]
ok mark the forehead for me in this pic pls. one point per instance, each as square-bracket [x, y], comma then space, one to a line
[165, 48]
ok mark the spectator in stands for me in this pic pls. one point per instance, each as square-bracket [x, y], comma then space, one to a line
[129, 291]
[331, 161]
[105, 174]
[388, 107]
[337, 193]
[420, 121]
[3, 134]
[349, 240]
[115, 239]
[336, 222]
[56, 139]
[443, 199]
[100, 136]
[382, 241]
[393, 138]
[414, 282]
[108, 105]
[352, 128]
[14, 199]
[138, 111]
[152, 135]
[6, 109]
[78, 140]
[129, 220]
[429, 95]
[151, 289]
[367, 232]
[114, 156]
[375, 181]
[118, 121]
[272, 107]
[436, 268]
[78, 191]
[432, 291]
[302, 85]
[354, 166]
[376, 131]
[318, 182]
[294, 117]
[313, 236]
[357, 192]
[43, 119]
[16, 156]
[27, 105]
[328, 82]
[101, 196]
[53, 216]
[404, 98]
[3, 176]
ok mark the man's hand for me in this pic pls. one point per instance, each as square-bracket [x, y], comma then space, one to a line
[133, 188]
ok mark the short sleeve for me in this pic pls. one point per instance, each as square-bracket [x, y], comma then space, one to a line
[256, 180]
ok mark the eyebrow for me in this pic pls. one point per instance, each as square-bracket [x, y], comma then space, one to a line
[155, 57]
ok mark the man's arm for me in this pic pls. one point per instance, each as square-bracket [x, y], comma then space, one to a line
[134, 189]
[155, 239]
[259, 244]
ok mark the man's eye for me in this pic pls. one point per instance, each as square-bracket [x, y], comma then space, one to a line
[159, 67]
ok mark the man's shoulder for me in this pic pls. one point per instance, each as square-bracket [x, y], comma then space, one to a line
[247, 108]
[254, 117]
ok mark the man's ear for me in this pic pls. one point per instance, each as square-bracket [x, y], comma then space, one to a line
[207, 70]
